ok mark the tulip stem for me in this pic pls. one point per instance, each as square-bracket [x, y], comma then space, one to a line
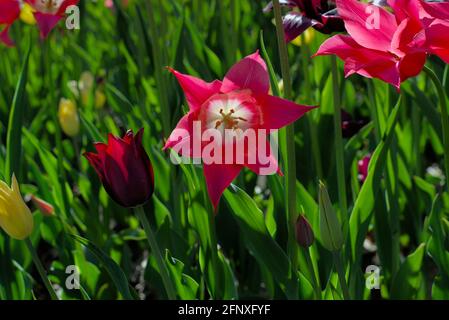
[444, 118]
[339, 149]
[168, 284]
[41, 270]
[316, 281]
[341, 275]
[290, 141]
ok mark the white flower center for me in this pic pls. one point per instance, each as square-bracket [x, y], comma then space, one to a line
[48, 6]
[229, 114]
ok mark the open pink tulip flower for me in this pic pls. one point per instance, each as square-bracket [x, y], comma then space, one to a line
[9, 12]
[392, 47]
[240, 105]
[437, 32]
[49, 12]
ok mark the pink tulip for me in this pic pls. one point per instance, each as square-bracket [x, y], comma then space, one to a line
[390, 47]
[240, 102]
[49, 12]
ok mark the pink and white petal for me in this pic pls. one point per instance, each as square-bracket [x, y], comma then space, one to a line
[278, 112]
[65, 4]
[218, 178]
[196, 90]
[249, 73]
[46, 22]
[182, 136]
[266, 161]
[371, 26]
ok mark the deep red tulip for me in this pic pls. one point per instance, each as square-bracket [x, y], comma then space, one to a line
[350, 126]
[240, 103]
[124, 169]
[49, 12]
[9, 12]
[380, 44]
[304, 232]
[319, 14]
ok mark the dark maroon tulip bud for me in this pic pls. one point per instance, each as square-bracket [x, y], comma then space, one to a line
[362, 167]
[124, 169]
[319, 14]
[349, 126]
[304, 233]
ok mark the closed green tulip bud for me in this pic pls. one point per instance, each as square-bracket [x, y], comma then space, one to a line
[330, 228]
[15, 217]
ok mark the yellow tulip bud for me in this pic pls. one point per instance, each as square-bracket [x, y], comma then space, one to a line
[100, 99]
[68, 117]
[306, 38]
[27, 14]
[15, 217]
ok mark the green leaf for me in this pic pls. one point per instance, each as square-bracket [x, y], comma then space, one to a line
[258, 240]
[408, 279]
[114, 271]
[186, 286]
[364, 204]
[14, 135]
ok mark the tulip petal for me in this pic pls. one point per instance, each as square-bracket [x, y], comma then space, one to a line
[196, 90]
[96, 162]
[366, 62]
[295, 24]
[405, 9]
[218, 178]
[9, 11]
[249, 73]
[371, 26]
[65, 5]
[411, 65]
[46, 22]
[437, 40]
[266, 164]
[278, 112]
[181, 137]
[439, 10]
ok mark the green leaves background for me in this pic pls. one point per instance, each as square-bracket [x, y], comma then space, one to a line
[398, 217]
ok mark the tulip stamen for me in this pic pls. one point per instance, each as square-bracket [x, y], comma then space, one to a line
[230, 121]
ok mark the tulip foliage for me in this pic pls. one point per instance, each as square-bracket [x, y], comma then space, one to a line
[114, 155]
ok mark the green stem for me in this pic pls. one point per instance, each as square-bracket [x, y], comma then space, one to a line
[313, 127]
[290, 141]
[341, 275]
[316, 282]
[339, 148]
[41, 270]
[444, 117]
[168, 284]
